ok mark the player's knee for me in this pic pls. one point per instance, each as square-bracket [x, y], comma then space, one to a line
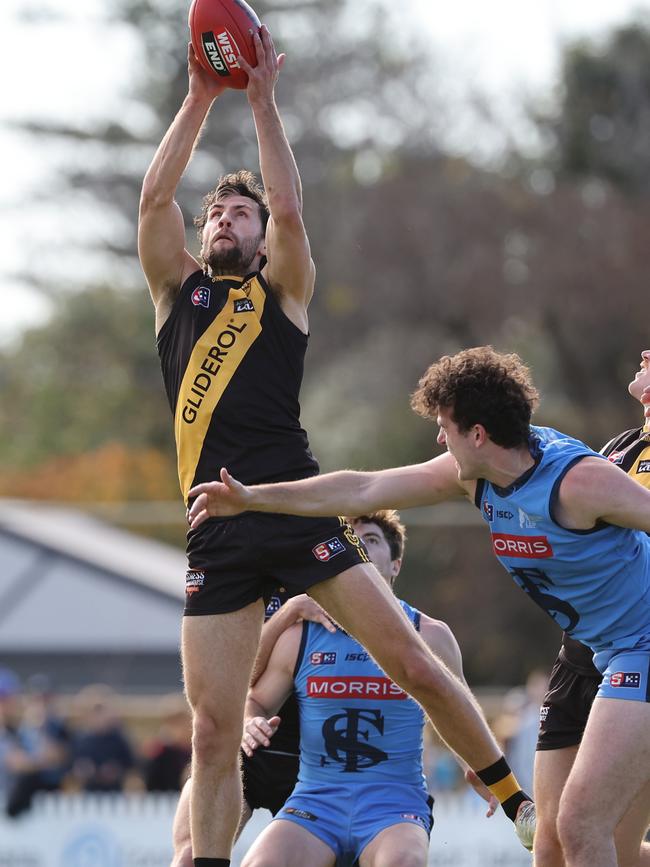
[419, 673]
[547, 850]
[572, 827]
[213, 740]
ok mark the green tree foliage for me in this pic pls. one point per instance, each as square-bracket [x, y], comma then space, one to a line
[603, 124]
[418, 253]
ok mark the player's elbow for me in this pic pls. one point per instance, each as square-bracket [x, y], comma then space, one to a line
[286, 211]
[153, 199]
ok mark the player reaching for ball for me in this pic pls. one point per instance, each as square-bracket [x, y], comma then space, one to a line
[232, 334]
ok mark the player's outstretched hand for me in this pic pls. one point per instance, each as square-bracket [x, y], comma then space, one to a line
[303, 607]
[480, 788]
[645, 400]
[262, 78]
[258, 731]
[217, 499]
[202, 84]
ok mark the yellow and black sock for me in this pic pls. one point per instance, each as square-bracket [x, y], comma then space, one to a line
[503, 784]
[211, 862]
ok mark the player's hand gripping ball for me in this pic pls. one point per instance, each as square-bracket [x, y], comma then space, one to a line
[221, 32]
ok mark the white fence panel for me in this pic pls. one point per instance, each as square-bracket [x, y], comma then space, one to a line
[135, 831]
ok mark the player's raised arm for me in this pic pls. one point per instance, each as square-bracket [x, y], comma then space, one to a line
[161, 230]
[341, 493]
[270, 691]
[596, 490]
[289, 270]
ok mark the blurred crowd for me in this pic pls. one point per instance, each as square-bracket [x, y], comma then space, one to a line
[81, 744]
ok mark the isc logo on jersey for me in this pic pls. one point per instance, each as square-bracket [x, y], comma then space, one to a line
[630, 679]
[529, 547]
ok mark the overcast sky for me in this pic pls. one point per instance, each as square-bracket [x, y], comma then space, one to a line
[72, 65]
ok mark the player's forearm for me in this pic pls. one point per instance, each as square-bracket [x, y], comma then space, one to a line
[271, 631]
[277, 164]
[253, 708]
[340, 493]
[174, 152]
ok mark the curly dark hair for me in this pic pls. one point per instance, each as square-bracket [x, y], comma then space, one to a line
[481, 386]
[241, 183]
[388, 521]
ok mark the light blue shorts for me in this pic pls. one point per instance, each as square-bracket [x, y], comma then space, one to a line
[626, 674]
[348, 818]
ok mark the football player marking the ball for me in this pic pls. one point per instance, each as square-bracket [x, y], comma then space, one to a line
[232, 334]
[568, 525]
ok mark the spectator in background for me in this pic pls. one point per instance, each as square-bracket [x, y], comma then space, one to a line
[40, 759]
[102, 756]
[520, 747]
[167, 757]
[10, 711]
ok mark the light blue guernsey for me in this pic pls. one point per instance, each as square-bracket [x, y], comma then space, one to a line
[356, 725]
[594, 583]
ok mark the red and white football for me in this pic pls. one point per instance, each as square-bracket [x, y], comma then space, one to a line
[222, 31]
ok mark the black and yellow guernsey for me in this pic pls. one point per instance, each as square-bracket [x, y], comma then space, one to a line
[232, 364]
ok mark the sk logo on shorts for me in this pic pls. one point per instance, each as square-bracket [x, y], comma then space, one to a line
[326, 550]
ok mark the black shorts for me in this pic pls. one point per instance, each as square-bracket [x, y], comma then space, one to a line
[565, 709]
[268, 779]
[234, 561]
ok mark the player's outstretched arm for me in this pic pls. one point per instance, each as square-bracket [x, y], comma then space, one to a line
[271, 690]
[161, 231]
[596, 490]
[341, 493]
[290, 270]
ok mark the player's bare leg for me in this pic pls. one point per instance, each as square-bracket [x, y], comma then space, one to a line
[630, 848]
[610, 771]
[287, 844]
[181, 833]
[365, 607]
[552, 769]
[218, 655]
[404, 844]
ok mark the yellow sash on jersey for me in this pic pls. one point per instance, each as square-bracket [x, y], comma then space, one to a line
[216, 356]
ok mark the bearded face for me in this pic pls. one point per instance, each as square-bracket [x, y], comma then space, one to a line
[232, 256]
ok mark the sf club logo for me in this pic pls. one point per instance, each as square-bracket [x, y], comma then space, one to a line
[346, 738]
[201, 296]
[326, 550]
[536, 583]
